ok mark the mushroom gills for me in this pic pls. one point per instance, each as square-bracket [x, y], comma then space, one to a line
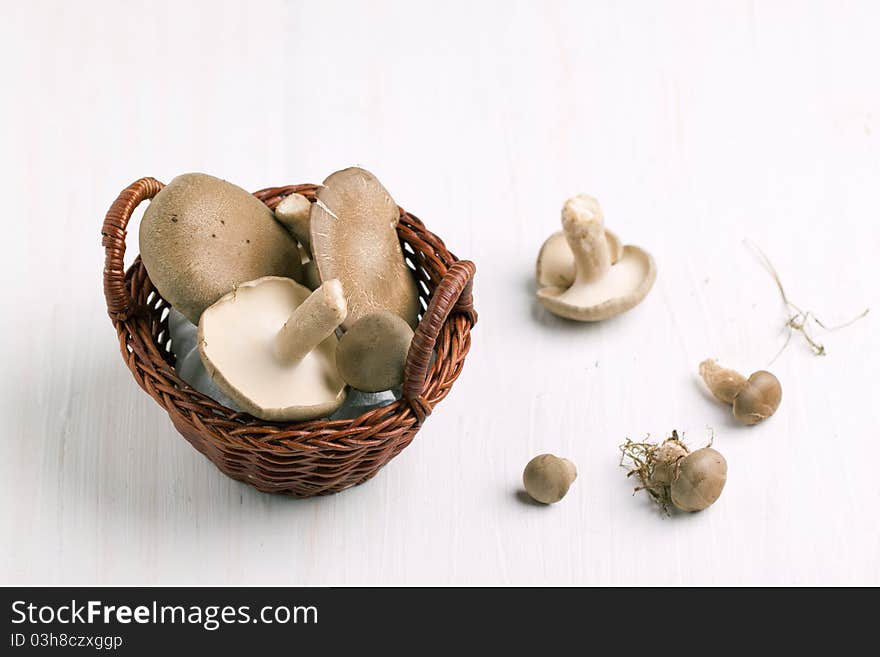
[245, 360]
[753, 399]
[627, 274]
[556, 265]
[602, 287]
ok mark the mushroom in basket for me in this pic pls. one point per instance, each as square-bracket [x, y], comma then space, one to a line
[270, 345]
[353, 237]
[202, 236]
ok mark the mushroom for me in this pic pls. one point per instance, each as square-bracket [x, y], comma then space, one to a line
[699, 479]
[354, 239]
[311, 278]
[270, 346]
[372, 353]
[672, 474]
[556, 266]
[753, 399]
[184, 337]
[600, 289]
[547, 478]
[293, 211]
[202, 236]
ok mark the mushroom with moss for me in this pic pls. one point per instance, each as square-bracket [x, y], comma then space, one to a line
[753, 399]
[602, 287]
[270, 346]
[372, 353]
[201, 236]
[353, 226]
[673, 475]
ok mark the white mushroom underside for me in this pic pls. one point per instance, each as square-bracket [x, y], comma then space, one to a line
[556, 265]
[622, 278]
[245, 354]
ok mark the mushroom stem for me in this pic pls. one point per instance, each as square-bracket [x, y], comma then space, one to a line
[312, 322]
[722, 382]
[585, 232]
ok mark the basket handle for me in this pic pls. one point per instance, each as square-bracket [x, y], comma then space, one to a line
[454, 294]
[119, 301]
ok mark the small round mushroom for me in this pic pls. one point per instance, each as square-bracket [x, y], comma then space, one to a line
[699, 479]
[600, 289]
[556, 266]
[201, 236]
[293, 211]
[354, 238]
[753, 399]
[372, 353]
[547, 478]
[270, 346]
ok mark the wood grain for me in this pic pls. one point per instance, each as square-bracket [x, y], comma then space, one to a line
[697, 125]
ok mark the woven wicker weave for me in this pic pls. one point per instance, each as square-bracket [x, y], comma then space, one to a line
[305, 458]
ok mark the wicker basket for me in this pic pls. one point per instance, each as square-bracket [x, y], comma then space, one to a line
[305, 458]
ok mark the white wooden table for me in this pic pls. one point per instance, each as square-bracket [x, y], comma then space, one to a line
[697, 125]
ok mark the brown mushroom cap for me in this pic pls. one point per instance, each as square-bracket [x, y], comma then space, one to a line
[372, 353]
[354, 239]
[202, 236]
[753, 399]
[758, 399]
[547, 478]
[699, 481]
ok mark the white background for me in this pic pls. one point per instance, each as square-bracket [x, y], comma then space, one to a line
[696, 124]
